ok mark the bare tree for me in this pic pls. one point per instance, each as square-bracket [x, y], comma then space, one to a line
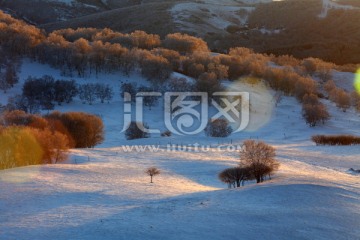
[104, 92]
[315, 114]
[260, 158]
[235, 176]
[88, 93]
[152, 171]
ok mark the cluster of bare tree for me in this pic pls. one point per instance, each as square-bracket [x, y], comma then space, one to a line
[87, 50]
[90, 92]
[236, 176]
[44, 91]
[257, 160]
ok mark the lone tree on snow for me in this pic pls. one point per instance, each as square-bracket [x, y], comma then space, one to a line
[152, 171]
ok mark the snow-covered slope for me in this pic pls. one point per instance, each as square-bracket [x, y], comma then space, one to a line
[103, 193]
[109, 197]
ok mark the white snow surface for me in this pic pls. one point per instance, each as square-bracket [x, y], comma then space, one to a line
[103, 193]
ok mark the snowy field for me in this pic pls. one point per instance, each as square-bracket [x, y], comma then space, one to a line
[103, 193]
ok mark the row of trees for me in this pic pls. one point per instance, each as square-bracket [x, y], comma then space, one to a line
[24, 140]
[257, 160]
[87, 50]
[44, 92]
[27, 139]
[138, 39]
[90, 92]
[81, 130]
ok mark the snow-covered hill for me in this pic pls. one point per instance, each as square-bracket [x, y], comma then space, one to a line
[106, 195]
[103, 193]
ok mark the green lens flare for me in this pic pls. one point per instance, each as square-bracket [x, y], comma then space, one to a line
[357, 81]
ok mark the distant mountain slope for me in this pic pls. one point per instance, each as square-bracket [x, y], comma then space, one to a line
[151, 17]
[45, 11]
[303, 28]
